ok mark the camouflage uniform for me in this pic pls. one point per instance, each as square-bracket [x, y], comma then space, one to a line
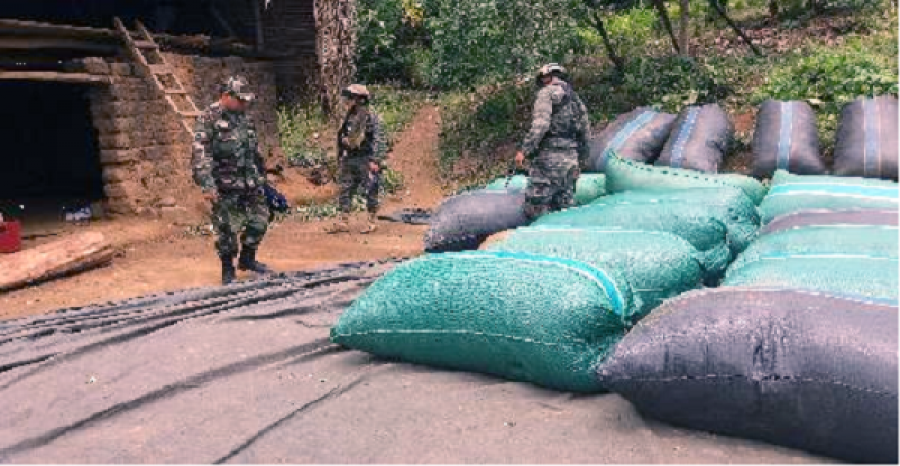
[364, 126]
[226, 160]
[557, 144]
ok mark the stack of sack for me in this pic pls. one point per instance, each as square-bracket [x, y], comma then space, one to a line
[786, 138]
[547, 303]
[797, 347]
[831, 256]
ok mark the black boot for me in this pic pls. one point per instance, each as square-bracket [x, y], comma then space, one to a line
[247, 261]
[228, 272]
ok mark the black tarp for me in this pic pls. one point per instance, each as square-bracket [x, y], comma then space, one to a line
[246, 374]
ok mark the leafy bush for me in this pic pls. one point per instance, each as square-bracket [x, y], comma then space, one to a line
[479, 41]
[631, 30]
[390, 40]
[829, 78]
[296, 127]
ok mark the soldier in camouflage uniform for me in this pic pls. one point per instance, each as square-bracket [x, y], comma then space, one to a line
[230, 170]
[557, 144]
[360, 152]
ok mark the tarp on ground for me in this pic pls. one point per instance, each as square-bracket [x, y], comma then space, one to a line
[245, 374]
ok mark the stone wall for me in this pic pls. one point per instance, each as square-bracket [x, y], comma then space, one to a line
[144, 151]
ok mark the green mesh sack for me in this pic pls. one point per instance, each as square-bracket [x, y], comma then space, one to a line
[870, 240]
[626, 175]
[523, 317]
[793, 193]
[589, 187]
[843, 275]
[657, 265]
[784, 177]
[718, 222]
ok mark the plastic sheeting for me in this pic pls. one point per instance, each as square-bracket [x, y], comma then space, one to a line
[788, 367]
[786, 138]
[245, 374]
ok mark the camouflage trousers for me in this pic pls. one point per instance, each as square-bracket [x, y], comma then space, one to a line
[244, 213]
[553, 176]
[355, 174]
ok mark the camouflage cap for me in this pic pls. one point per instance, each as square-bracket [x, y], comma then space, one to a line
[237, 86]
[356, 90]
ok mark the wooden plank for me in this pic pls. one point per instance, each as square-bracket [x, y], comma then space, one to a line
[145, 44]
[58, 258]
[12, 26]
[77, 78]
[15, 42]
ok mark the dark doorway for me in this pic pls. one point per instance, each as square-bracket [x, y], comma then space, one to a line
[49, 154]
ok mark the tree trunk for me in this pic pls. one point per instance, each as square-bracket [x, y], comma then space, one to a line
[664, 17]
[258, 26]
[610, 49]
[684, 28]
[62, 257]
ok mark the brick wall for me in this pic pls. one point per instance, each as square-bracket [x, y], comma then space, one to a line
[144, 151]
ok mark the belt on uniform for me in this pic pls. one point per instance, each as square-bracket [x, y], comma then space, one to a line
[558, 143]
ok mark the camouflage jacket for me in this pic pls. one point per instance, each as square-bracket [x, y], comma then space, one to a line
[559, 121]
[363, 131]
[226, 151]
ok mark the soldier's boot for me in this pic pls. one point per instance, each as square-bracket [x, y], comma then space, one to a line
[248, 261]
[342, 225]
[228, 272]
[370, 224]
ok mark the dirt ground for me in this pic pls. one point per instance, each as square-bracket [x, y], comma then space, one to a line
[159, 255]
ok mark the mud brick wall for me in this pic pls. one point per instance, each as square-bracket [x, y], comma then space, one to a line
[144, 151]
[202, 76]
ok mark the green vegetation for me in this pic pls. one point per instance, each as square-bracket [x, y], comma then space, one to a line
[826, 71]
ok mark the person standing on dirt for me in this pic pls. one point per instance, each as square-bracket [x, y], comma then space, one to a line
[360, 153]
[557, 143]
[230, 170]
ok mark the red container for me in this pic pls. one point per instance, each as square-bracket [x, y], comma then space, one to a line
[10, 236]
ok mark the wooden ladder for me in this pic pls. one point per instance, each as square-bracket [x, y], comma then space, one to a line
[145, 53]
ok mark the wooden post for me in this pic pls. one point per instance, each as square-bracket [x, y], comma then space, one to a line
[257, 17]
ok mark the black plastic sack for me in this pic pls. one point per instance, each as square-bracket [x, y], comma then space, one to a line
[637, 135]
[866, 141]
[699, 139]
[831, 217]
[463, 221]
[786, 138]
[789, 367]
